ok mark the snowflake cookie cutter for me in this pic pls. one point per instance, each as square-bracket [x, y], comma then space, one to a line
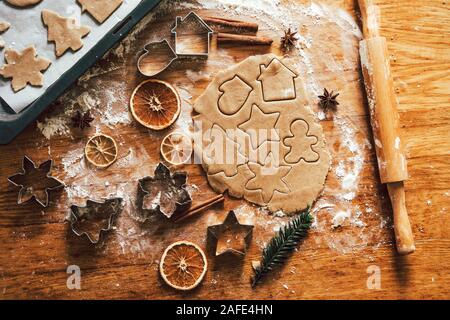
[164, 193]
[95, 218]
[35, 182]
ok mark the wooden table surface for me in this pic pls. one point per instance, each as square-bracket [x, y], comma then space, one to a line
[37, 246]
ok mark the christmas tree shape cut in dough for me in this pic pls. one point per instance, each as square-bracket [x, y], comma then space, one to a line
[64, 32]
[100, 9]
[24, 67]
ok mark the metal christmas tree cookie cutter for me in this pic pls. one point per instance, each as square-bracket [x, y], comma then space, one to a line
[95, 218]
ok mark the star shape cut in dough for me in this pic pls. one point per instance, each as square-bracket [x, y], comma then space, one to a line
[261, 126]
[231, 236]
[268, 178]
[64, 32]
[35, 182]
[24, 67]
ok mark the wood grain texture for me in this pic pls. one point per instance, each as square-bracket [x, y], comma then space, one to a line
[37, 246]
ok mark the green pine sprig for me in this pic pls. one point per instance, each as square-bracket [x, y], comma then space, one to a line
[282, 244]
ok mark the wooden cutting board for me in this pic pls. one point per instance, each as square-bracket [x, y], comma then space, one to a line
[37, 246]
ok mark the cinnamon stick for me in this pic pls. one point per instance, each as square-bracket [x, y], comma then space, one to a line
[224, 24]
[200, 207]
[243, 39]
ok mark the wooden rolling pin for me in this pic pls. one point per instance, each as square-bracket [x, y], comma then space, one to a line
[385, 121]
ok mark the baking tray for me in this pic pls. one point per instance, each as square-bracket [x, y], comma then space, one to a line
[11, 123]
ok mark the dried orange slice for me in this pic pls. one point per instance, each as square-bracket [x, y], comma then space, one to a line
[176, 148]
[155, 104]
[183, 265]
[101, 150]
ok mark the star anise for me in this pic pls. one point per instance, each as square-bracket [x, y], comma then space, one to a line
[328, 100]
[82, 120]
[289, 39]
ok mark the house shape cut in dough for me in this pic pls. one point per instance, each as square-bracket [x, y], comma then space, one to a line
[277, 81]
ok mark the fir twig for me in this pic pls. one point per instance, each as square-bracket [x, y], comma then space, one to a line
[282, 244]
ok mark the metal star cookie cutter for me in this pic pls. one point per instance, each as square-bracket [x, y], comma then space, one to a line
[95, 218]
[158, 57]
[231, 236]
[164, 193]
[35, 182]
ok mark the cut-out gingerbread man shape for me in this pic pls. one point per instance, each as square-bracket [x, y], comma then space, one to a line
[24, 67]
[300, 143]
[64, 32]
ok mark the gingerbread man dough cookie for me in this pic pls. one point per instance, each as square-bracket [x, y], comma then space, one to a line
[64, 32]
[22, 3]
[100, 9]
[257, 137]
[24, 67]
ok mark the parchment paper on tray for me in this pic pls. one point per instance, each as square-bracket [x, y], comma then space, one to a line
[28, 29]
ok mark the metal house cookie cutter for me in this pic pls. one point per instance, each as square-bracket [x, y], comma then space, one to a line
[35, 182]
[158, 57]
[99, 217]
[192, 36]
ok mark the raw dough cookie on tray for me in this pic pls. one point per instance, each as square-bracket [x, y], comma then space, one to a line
[64, 32]
[22, 3]
[257, 137]
[24, 67]
[4, 26]
[100, 9]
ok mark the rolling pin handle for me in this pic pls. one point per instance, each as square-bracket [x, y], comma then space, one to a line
[403, 233]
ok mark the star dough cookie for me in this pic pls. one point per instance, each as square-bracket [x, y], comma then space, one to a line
[24, 67]
[100, 9]
[64, 32]
[4, 26]
[22, 3]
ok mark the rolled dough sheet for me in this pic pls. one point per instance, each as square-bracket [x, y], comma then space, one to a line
[28, 29]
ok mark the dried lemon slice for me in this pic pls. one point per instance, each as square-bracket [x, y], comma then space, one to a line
[183, 265]
[101, 150]
[176, 148]
[155, 104]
